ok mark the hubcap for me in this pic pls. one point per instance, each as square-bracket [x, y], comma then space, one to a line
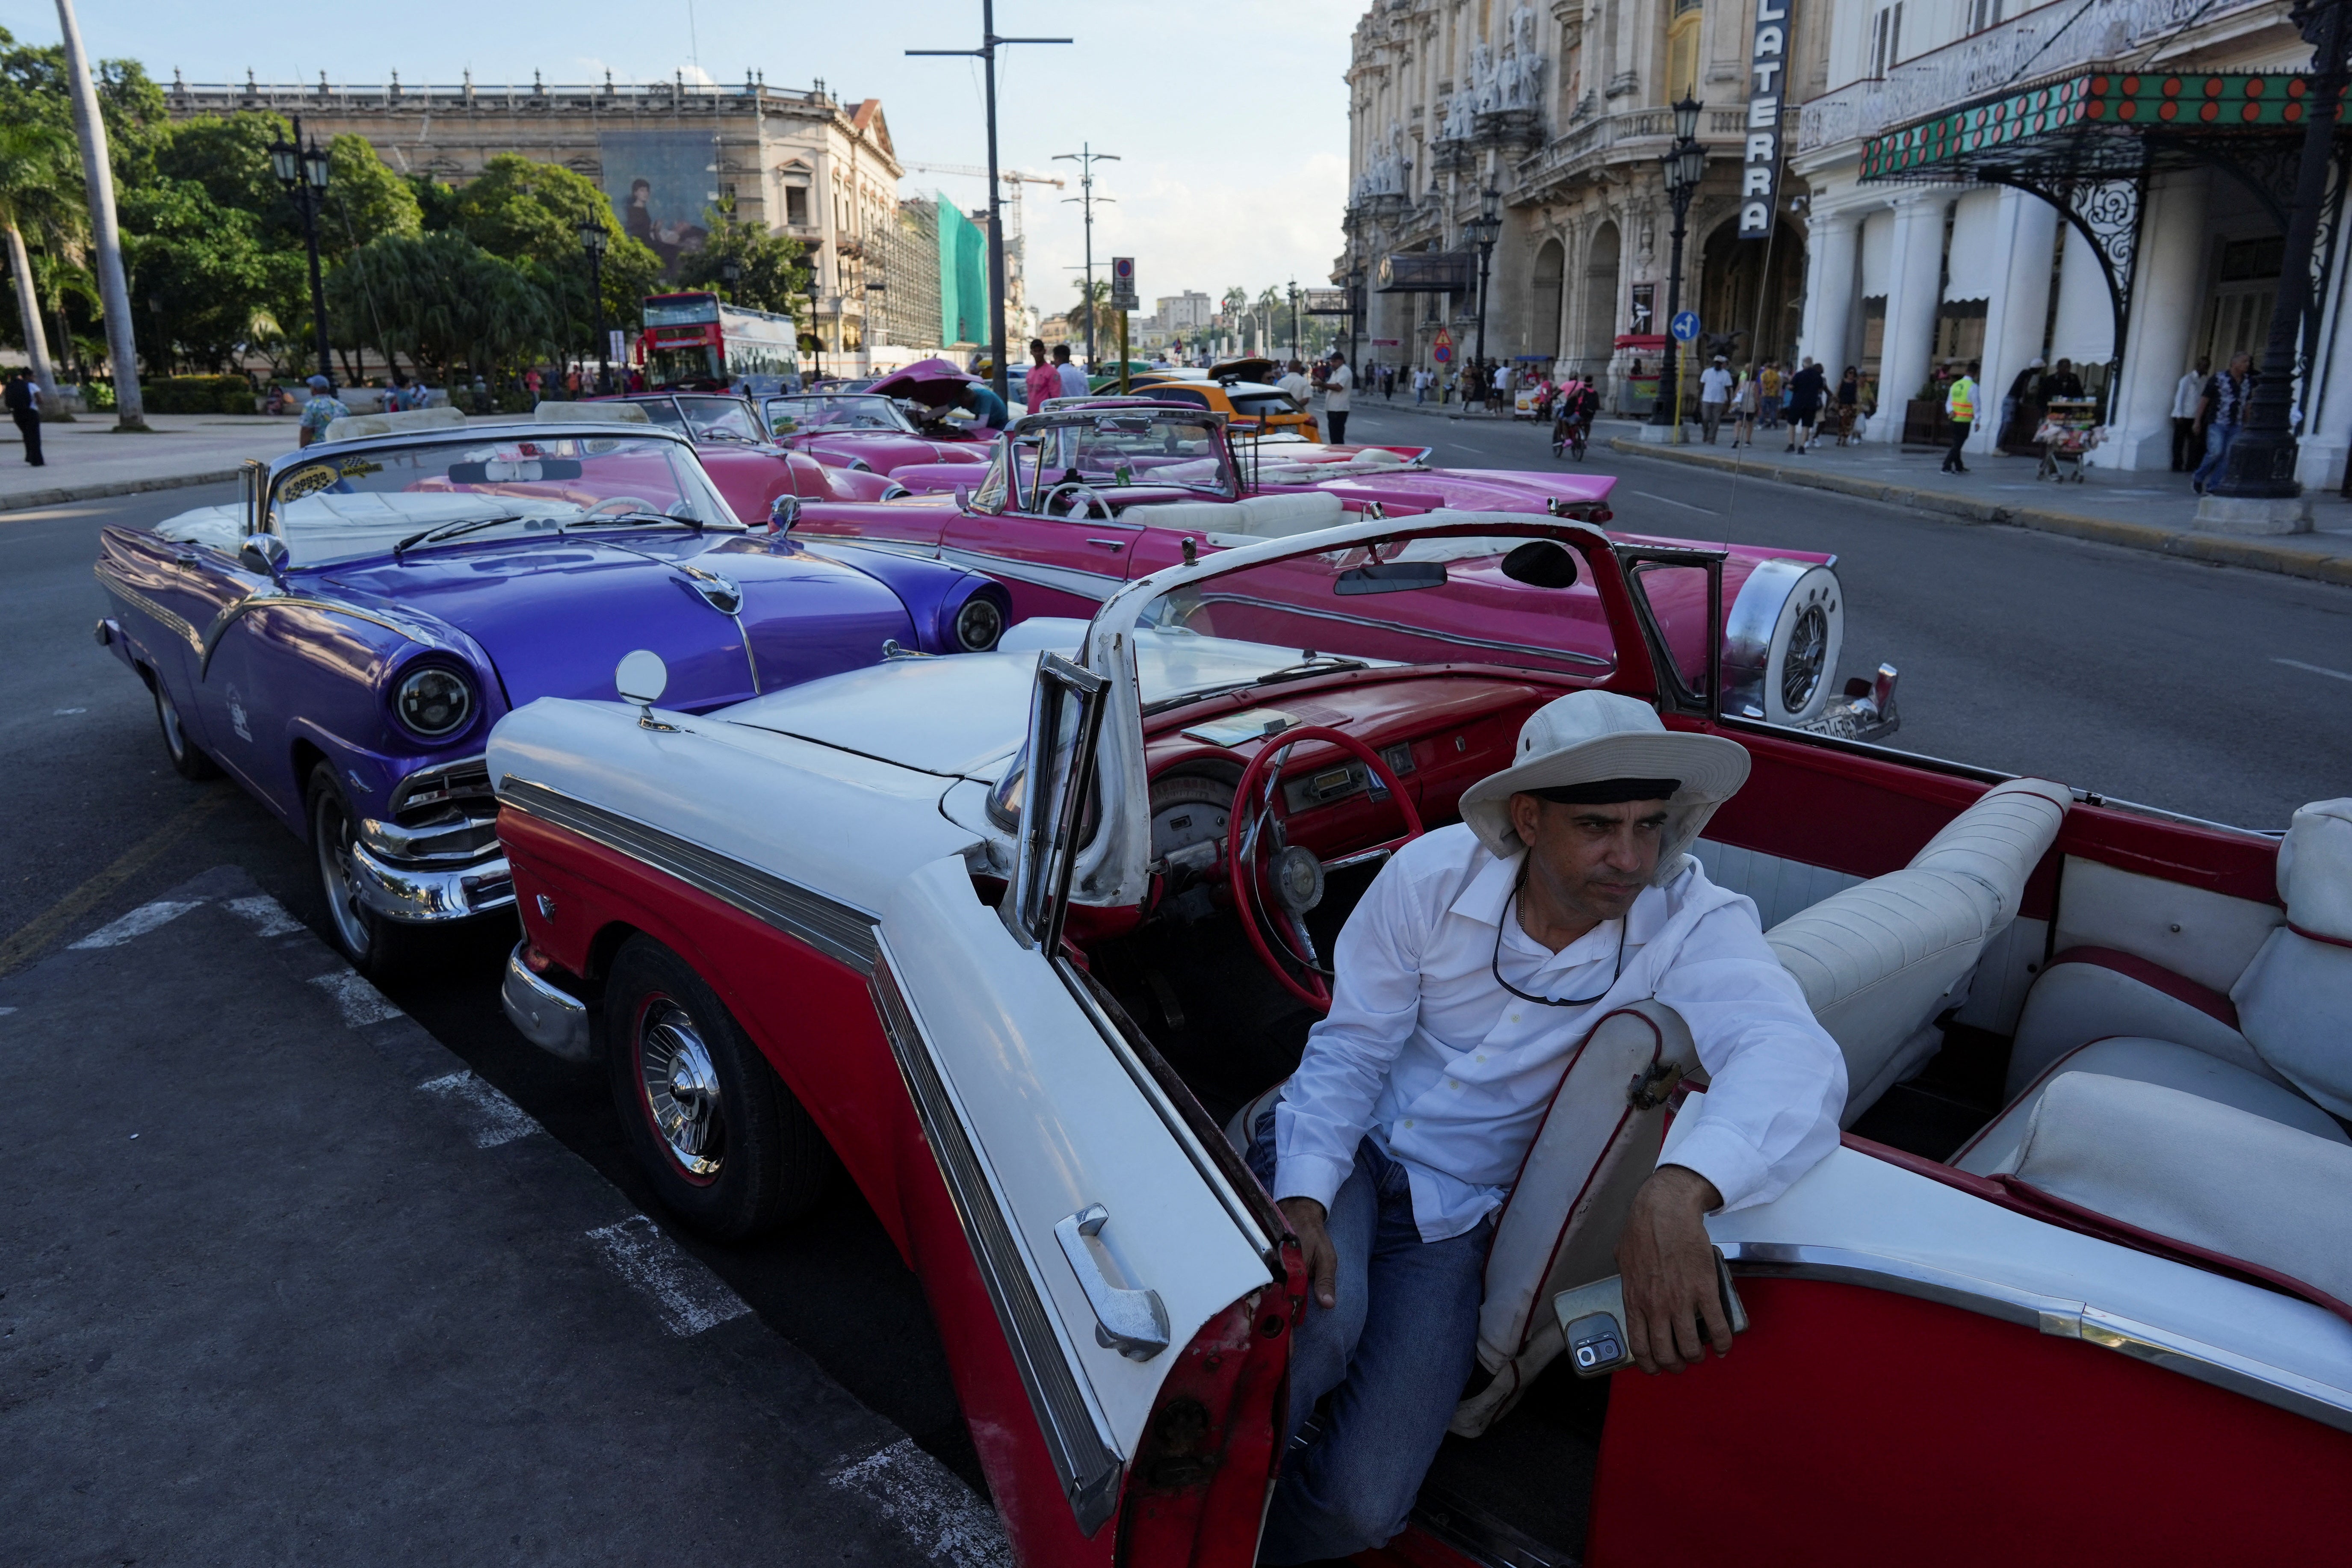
[1809, 645]
[680, 1085]
[174, 741]
[333, 835]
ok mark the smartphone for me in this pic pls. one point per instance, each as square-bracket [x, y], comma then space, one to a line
[1593, 1318]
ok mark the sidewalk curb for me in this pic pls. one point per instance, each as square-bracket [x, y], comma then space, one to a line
[2225, 550]
[27, 499]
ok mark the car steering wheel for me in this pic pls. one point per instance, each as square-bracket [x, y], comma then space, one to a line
[1291, 877]
[1079, 493]
[620, 504]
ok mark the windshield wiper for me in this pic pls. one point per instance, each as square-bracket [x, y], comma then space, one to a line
[1331, 665]
[601, 518]
[442, 531]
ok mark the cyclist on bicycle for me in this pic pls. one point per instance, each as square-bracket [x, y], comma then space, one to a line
[1580, 400]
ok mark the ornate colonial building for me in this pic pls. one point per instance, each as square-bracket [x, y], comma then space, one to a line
[1556, 117]
[2103, 181]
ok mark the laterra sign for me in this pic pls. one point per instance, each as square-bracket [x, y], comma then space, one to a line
[1759, 164]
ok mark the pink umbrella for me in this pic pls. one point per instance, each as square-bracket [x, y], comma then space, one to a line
[933, 381]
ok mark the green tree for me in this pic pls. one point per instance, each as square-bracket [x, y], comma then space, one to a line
[1105, 319]
[40, 184]
[448, 304]
[773, 273]
[199, 271]
[522, 210]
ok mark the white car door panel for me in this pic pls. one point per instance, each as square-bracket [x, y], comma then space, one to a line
[1039, 1122]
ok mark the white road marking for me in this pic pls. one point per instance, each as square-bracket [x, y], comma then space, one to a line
[2290, 663]
[361, 1002]
[930, 1504]
[137, 923]
[497, 1120]
[1670, 500]
[269, 916]
[62, 712]
[690, 1296]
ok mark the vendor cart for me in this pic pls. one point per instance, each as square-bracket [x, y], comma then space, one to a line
[2069, 430]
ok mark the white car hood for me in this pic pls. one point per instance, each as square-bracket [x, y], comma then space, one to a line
[957, 716]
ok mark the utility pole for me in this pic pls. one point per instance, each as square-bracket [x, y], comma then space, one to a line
[1085, 158]
[98, 177]
[986, 55]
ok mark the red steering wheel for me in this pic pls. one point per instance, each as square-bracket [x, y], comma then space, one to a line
[1291, 881]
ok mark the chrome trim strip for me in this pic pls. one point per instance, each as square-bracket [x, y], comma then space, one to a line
[1433, 635]
[834, 928]
[555, 1021]
[2055, 1315]
[428, 896]
[1073, 580]
[176, 625]
[1077, 1439]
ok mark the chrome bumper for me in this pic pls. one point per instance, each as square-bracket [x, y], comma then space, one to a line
[419, 895]
[555, 1021]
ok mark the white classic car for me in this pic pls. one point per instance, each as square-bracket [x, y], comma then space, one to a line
[1016, 936]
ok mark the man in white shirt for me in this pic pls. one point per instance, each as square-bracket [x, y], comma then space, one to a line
[1296, 384]
[1714, 394]
[1337, 384]
[1073, 379]
[1479, 957]
[2187, 441]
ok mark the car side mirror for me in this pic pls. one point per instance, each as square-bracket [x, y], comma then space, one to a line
[963, 497]
[264, 554]
[641, 678]
[783, 512]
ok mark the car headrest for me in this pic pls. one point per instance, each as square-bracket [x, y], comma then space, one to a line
[2315, 870]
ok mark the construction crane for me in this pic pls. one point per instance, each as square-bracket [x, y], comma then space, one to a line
[1014, 180]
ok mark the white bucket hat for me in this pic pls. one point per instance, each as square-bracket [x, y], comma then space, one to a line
[1593, 737]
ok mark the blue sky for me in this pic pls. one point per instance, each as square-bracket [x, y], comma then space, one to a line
[1230, 119]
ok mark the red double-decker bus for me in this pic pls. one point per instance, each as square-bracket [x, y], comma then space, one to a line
[693, 341]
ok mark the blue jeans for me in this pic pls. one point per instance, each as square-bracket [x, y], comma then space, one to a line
[1392, 1355]
[2218, 439]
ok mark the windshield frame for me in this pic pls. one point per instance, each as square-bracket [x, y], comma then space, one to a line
[265, 516]
[1000, 491]
[904, 426]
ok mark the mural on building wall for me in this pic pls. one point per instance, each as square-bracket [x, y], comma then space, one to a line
[659, 183]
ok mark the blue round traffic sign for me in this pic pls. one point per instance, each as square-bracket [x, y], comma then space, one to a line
[1685, 326]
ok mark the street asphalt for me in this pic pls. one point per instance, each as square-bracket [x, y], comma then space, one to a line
[305, 1150]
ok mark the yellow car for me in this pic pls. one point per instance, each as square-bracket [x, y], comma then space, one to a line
[1235, 389]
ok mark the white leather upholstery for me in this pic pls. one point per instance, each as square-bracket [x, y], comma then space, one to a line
[1255, 517]
[1779, 887]
[1568, 1207]
[2295, 1001]
[1880, 961]
[2077, 1002]
[2208, 1175]
[2176, 1067]
[2194, 932]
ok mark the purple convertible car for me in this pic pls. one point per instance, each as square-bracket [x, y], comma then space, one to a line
[342, 639]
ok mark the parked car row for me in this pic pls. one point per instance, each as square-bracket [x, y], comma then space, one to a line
[1068, 771]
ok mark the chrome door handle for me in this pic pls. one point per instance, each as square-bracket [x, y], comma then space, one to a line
[1109, 543]
[1132, 1322]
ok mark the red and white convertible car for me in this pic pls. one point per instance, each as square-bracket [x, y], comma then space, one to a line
[1012, 936]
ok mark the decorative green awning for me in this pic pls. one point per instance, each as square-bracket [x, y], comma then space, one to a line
[2096, 122]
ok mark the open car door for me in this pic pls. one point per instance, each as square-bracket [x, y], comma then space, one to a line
[1138, 1275]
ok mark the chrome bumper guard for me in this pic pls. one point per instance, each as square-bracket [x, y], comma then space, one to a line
[414, 895]
[555, 1021]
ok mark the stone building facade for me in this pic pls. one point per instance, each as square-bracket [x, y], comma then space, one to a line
[800, 161]
[1562, 110]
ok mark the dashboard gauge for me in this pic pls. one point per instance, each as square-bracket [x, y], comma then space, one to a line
[1190, 813]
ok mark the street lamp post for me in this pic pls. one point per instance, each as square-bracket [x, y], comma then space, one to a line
[592, 240]
[816, 335]
[1294, 353]
[1485, 231]
[1684, 165]
[2260, 463]
[303, 169]
[1355, 310]
[1085, 158]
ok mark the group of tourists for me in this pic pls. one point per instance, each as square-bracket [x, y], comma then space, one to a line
[1766, 397]
[2209, 408]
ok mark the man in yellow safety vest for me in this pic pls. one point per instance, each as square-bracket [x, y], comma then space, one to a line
[1960, 405]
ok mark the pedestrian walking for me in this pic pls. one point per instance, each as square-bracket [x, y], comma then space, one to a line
[2187, 441]
[1042, 380]
[1747, 401]
[1714, 396]
[1502, 390]
[1807, 391]
[1960, 407]
[1073, 379]
[22, 397]
[2025, 389]
[1849, 404]
[1768, 395]
[1338, 383]
[323, 409]
[2220, 411]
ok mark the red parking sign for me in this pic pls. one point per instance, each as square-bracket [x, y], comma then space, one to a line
[1442, 351]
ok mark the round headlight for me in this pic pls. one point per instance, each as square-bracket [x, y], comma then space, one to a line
[979, 624]
[434, 703]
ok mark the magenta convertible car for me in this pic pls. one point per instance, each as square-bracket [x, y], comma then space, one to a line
[1075, 501]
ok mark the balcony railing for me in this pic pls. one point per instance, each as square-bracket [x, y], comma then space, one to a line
[607, 97]
[2050, 40]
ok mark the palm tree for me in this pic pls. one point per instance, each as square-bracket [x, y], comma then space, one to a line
[1105, 320]
[1269, 304]
[37, 180]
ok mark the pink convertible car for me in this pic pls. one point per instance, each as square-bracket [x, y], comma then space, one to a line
[1075, 501]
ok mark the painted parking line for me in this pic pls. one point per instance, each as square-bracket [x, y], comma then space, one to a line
[269, 917]
[137, 923]
[2315, 669]
[361, 1002]
[1670, 500]
[496, 1118]
[29, 939]
[688, 1296]
[930, 1504]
